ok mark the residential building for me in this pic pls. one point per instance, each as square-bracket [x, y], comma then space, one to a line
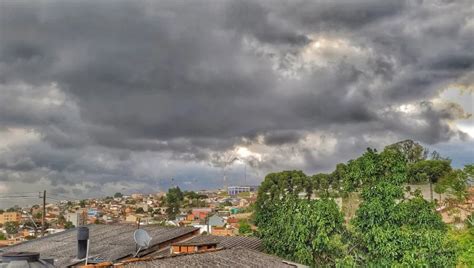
[235, 190]
[131, 218]
[77, 218]
[10, 217]
[201, 213]
[222, 231]
[216, 220]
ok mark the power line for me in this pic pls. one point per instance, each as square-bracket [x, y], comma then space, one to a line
[18, 196]
[65, 196]
[19, 193]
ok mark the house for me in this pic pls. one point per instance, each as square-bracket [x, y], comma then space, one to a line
[131, 218]
[201, 213]
[222, 231]
[216, 220]
[232, 221]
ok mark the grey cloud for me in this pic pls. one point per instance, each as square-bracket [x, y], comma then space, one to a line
[140, 85]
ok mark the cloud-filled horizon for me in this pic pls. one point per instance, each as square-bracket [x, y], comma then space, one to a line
[99, 97]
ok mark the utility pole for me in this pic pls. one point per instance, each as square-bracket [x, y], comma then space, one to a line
[44, 214]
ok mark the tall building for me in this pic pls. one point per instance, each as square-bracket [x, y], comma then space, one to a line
[234, 190]
[10, 217]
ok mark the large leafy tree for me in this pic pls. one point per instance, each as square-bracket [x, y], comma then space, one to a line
[388, 229]
[277, 186]
[11, 227]
[455, 183]
[371, 167]
[396, 232]
[305, 231]
[428, 171]
[411, 150]
[174, 199]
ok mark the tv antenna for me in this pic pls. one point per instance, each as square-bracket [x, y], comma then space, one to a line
[142, 239]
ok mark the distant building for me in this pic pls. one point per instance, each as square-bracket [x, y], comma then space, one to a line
[222, 231]
[131, 218]
[10, 217]
[216, 220]
[137, 196]
[235, 190]
[77, 218]
[200, 213]
[92, 212]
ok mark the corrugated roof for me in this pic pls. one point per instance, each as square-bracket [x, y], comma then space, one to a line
[235, 257]
[108, 242]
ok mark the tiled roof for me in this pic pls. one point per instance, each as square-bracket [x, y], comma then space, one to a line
[107, 242]
[235, 257]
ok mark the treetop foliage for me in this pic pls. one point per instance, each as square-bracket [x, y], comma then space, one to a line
[298, 220]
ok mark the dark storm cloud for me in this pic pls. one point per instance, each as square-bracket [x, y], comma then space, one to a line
[113, 89]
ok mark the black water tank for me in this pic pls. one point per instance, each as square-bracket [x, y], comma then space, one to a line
[24, 260]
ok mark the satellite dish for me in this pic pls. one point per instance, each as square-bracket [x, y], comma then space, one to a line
[142, 239]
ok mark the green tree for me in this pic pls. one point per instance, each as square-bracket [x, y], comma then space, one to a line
[244, 227]
[139, 210]
[412, 151]
[118, 195]
[454, 182]
[61, 219]
[305, 231]
[11, 227]
[2, 236]
[321, 185]
[275, 187]
[430, 171]
[397, 232]
[68, 225]
[174, 199]
[38, 215]
[465, 246]
[372, 167]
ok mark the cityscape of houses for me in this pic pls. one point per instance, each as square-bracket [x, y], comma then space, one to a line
[217, 212]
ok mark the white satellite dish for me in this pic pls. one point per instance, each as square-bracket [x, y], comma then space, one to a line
[142, 239]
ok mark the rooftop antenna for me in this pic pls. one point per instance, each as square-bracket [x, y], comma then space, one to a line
[142, 239]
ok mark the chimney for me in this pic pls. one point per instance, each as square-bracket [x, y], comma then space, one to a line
[82, 237]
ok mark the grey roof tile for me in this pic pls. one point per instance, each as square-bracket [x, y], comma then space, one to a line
[108, 242]
[234, 257]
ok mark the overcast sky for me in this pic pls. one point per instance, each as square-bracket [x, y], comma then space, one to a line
[105, 96]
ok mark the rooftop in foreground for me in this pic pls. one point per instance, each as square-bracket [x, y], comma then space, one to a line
[107, 242]
[234, 257]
